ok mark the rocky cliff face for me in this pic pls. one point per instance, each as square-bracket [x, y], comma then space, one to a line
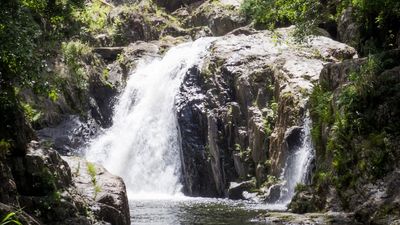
[238, 112]
[355, 110]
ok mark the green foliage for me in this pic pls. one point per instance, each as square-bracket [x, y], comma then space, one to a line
[379, 20]
[75, 52]
[300, 187]
[362, 125]
[10, 219]
[26, 28]
[91, 168]
[305, 14]
[271, 180]
[93, 17]
[106, 73]
[5, 147]
[31, 114]
[53, 95]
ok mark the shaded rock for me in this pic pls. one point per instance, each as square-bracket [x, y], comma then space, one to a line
[21, 216]
[235, 190]
[172, 5]
[41, 171]
[216, 159]
[192, 120]
[108, 53]
[348, 28]
[293, 138]
[335, 75]
[107, 192]
[273, 193]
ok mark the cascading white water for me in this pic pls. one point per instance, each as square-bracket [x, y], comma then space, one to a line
[142, 146]
[297, 166]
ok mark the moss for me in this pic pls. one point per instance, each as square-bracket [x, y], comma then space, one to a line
[5, 147]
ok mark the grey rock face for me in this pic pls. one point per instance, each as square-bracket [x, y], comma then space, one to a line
[220, 17]
[348, 29]
[251, 90]
[142, 22]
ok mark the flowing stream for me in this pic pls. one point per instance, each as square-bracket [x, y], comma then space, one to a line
[142, 147]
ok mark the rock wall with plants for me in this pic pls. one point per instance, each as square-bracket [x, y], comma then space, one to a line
[62, 64]
[240, 114]
[355, 111]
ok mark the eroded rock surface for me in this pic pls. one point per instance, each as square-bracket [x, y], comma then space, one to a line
[252, 89]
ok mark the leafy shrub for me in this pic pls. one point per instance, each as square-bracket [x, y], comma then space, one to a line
[93, 17]
[10, 219]
[75, 52]
[362, 136]
[306, 14]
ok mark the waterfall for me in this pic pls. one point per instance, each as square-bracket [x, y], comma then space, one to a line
[297, 166]
[143, 145]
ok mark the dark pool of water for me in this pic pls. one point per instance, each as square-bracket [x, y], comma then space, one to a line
[194, 211]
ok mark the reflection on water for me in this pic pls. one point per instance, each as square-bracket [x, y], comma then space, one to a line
[194, 211]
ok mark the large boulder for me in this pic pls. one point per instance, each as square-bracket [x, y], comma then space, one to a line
[236, 190]
[220, 17]
[40, 171]
[105, 192]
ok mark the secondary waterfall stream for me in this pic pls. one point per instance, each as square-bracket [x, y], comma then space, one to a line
[142, 146]
[297, 166]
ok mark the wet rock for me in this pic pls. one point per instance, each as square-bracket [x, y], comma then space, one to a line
[192, 122]
[273, 193]
[310, 218]
[305, 201]
[235, 190]
[106, 192]
[215, 155]
[293, 138]
[70, 135]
